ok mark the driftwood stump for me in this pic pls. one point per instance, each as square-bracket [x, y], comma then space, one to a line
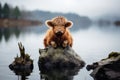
[22, 65]
[106, 69]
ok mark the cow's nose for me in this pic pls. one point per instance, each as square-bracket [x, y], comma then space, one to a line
[59, 33]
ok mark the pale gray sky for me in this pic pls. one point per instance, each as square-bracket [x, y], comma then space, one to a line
[91, 8]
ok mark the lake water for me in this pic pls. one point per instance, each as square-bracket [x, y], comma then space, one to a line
[92, 44]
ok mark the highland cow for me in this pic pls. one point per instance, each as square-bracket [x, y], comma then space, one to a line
[58, 34]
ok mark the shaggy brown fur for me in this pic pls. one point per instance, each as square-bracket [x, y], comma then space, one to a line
[58, 34]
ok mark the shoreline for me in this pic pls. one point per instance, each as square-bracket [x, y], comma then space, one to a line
[18, 22]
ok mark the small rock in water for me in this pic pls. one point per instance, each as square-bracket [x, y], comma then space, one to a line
[106, 69]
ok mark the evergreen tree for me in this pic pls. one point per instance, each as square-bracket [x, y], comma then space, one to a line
[0, 11]
[16, 12]
[6, 11]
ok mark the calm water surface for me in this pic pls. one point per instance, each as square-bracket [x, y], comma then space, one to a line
[92, 44]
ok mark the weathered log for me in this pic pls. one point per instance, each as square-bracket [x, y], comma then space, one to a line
[23, 62]
[22, 50]
[106, 69]
[51, 58]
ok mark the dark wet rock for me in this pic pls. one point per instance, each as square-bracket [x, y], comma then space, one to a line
[51, 58]
[22, 63]
[117, 23]
[106, 69]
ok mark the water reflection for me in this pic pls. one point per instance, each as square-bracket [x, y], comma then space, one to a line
[22, 74]
[8, 32]
[58, 74]
[91, 44]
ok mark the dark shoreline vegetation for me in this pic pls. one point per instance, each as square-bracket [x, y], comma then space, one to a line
[14, 17]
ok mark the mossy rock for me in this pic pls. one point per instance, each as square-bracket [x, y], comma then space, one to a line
[59, 58]
[106, 69]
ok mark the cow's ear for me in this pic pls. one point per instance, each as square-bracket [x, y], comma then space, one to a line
[69, 24]
[49, 23]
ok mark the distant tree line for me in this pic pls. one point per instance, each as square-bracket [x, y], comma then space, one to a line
[8, 12]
